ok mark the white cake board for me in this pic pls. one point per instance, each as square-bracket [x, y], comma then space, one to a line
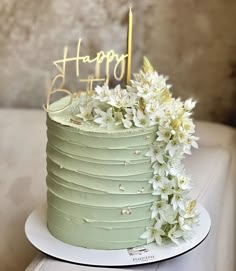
[38, 234]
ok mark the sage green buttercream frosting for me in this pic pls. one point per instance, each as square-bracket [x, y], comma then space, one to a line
[98, 191]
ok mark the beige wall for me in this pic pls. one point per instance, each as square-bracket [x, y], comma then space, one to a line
[192, 41]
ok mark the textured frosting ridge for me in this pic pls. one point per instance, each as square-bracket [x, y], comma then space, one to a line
[98, 191]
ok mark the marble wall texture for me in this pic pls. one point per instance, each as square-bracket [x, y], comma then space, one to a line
[192, 41]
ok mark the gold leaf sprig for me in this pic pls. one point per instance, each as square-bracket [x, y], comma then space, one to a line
[147, 66]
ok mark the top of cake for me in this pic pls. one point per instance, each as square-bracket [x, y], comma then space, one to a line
[146, 103]
[70, 118]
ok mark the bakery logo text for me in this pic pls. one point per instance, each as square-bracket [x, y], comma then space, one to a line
[147, 258]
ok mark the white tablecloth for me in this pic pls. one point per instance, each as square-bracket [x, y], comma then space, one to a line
[213, 170]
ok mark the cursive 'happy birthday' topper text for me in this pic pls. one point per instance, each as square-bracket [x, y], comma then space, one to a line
[120, 62]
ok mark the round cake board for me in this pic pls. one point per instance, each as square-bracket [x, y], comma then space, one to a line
[38, 234]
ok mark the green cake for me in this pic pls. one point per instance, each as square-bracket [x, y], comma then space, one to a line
[115, 177]
[98, 190]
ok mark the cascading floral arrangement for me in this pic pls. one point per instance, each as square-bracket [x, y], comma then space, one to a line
[148, 102]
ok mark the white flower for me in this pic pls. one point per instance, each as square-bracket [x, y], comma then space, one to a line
[148, 234]
[187, 149]
[156, 115]
[174, 234]
[170, 215]
[128, 117]
[157, 180]
[159, 81]
[177, 201]
[153, 79]
[145, 91]
[154, 233]
[188, 217]
[86, 112]
[183, 182]
[156, 153]
[159, 169]
[188, 126]
[102, 93]
[181, 135]
[121, 98]
[164, 190]
[172, 147]
[190, 210]
[152, 107]
[185, 224]
[127, 123]
[140, 119]
[189, 104]
[174, 166]
[129, 113]
[192, 141]
[104, 119]
[163, 134]
[158, 207]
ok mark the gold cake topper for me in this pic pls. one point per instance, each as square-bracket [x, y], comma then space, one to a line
[122, 62]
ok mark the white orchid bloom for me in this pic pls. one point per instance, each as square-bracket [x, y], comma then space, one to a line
[157, 180]
[104, 119]
[182, 136]
[170, 215]
[159, 207]
[156, 116]
[172, 147]
[175, 234]
[190, 210]
[174, 166]
[183, 182]
[188, 126]
[127, 123]
[177, 201]
[129, 113]
[159, 169]
[164, 190]
[140, 119]
[188, 217]
[148, 235]
[185, 224]
[192, 141]
[154, 233]
[164, 134]
[86, 112]
[156, 153]
[189, 104]
[145, 92]
[121, 98]
[152, 107]
[102, 93]
[159, 81]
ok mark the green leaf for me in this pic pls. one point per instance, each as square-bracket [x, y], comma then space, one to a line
[147, 66]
